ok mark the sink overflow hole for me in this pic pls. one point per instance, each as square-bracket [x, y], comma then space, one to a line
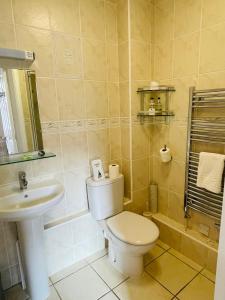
[25, 196]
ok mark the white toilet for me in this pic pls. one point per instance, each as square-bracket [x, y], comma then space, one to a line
[130, 235]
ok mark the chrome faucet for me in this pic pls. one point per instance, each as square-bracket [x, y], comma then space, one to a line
[22, 180]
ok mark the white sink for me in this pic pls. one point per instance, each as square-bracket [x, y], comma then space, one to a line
[26, 207]
[37, 199]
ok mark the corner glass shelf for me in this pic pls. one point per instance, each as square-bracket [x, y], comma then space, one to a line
[24, 157]
[160, 88]
[157, 118]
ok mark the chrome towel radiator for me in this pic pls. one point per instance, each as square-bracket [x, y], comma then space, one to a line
[206, 132]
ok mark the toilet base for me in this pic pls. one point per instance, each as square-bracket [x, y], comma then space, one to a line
[125, 263]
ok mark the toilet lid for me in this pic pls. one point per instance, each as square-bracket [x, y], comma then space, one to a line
[133, 229]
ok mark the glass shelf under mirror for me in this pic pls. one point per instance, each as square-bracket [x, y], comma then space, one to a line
[24, 157]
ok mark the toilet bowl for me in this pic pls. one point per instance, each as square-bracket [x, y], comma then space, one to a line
[130, 235]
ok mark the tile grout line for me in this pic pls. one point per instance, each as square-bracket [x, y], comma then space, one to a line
[104, 280]
[57, 292]
[69, 274]
[187, 284]
[202, 268]
[79, 269]
[160, 283]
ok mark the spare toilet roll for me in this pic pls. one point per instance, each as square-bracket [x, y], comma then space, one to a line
[114, 171]
[165, 155]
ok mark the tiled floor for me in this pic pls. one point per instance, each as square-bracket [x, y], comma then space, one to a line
[168, 275]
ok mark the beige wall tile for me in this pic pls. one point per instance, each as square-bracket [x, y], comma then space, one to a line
[112, 62]
[98, 144]
[213, 12]
[163, 201]
[64, 16]
[39, 41]
[123, 62]
[51, 165]
[74, 150]
[115, 143]
[163, 60]
[122, 10]
[194, 250]
[71, 102]
[163, 21]
[48, 106]
[170, 237]
[6, 11]
[94, 60]
[126, 170]
[67, 56]
[140, 140]
[180, 99]
[140, 199]
[92, 19]
[211, 80]
[140, 20]
[177, 140]
[96, 99]
[31, 13]
[211, 261]
[140, 61]
[186, 55]
[176, 207]
[159, 138]
[125, 142]
[140, 172]
[212, 49]
[114, 99]
[7, 36]
[161, 172]
[176, 183]
[111, 21]
[187, 16]
[124, 99]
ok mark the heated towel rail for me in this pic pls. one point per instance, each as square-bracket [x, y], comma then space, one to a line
[206, 132]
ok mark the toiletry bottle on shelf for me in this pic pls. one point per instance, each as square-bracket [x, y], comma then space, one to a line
[158, 106]
[152, 106]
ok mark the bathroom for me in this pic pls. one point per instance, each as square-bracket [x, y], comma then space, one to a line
[91, 57]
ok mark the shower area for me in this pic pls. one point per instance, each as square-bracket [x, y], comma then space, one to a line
[173, 43]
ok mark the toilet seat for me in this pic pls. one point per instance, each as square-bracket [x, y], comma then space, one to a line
[133, 229]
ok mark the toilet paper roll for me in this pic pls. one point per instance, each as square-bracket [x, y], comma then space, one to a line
[165, 155]
[114, 171]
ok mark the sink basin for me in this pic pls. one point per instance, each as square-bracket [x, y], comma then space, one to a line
[37, 199]
[26, 208]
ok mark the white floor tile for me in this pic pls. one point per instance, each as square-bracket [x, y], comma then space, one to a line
[53, 295]
[109, 296]
[107, 272]
[142, 288]
[68, 271]
[82, 285]
[96, 256]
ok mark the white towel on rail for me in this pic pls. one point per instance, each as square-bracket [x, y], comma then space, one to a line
[210, 171]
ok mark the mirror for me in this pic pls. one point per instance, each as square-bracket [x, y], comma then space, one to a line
[20, 128]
